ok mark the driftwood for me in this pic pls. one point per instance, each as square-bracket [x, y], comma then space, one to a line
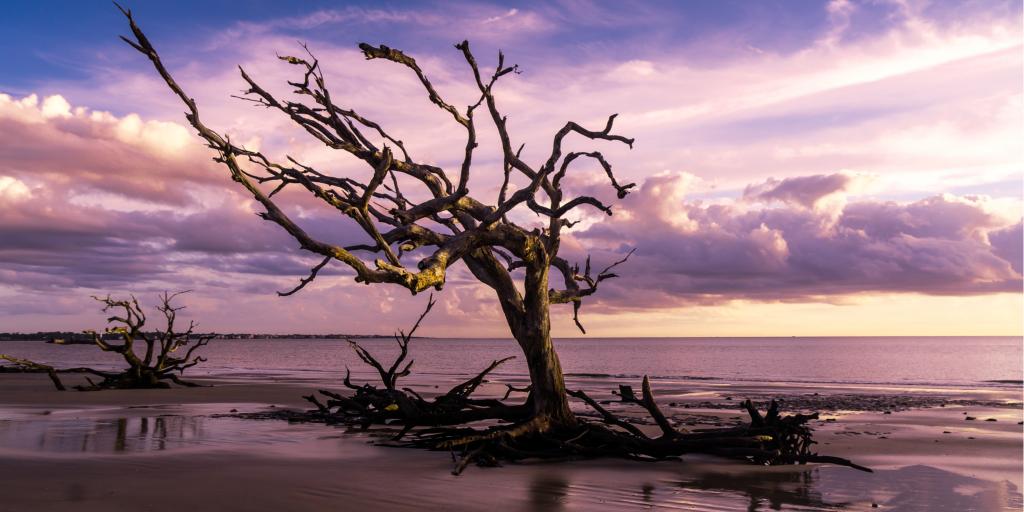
[32, 366]
[160, 363]
[626, 393]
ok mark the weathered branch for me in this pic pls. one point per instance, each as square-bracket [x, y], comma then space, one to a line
[652, 407]
[34, 366]
[383, 52]
[471, 221]
[467, 388]
[573, 292]
[389, 377]
[312, 276]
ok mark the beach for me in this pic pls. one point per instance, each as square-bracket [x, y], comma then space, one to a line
[197, 448]
[511, 256]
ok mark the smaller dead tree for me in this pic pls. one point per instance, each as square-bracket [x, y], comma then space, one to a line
[160, 363]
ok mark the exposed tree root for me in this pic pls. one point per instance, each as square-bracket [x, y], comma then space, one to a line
[442, 423]
[770, 439]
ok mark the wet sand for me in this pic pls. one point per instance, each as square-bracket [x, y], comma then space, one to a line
[182, 449]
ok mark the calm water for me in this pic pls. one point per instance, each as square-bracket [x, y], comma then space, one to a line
[937, 361]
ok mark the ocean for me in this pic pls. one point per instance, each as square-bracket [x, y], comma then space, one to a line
[902, 361]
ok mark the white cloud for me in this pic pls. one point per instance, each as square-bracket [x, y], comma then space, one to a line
[508, 14]
[13, 190]
[55, 106]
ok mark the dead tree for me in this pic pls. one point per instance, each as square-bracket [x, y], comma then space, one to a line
[440, 218]
[160, 361]
[480, 235]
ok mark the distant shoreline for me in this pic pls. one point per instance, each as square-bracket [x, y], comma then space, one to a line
[70, 338]
[75, 337]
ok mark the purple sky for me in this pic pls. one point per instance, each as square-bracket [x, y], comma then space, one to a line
[803, 168]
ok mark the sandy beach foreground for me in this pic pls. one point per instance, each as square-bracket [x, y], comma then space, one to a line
[186, 449]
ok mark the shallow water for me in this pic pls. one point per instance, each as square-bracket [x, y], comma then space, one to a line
[135, 430]
[925, 361]
[321, 466]
[71, 438]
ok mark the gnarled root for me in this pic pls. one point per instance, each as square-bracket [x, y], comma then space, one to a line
[442, 423]
[129, 380]
[769, 439]
[370, 405]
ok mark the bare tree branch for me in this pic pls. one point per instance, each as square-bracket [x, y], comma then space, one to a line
[304, 282]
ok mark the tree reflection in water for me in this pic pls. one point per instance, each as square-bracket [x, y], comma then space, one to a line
[768, 489]
[115, 435]
[910, 488]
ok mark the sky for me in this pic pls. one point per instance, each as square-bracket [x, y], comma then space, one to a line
[803, 168]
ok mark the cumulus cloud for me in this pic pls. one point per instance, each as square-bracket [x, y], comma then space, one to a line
[91, 200]
[730, 250]
[1008, 244]
[92, 203]
[83, 151]
[806, 191]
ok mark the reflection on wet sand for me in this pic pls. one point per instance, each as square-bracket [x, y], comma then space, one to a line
[114, 435]
[923, 488]
[764, 490]
[696, 484]
[548, 492]
[911, 488]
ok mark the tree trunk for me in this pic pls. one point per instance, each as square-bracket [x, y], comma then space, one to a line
[530, 324]
[550, 401]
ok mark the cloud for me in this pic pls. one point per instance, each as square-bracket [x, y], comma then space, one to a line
[478, 21]
[806, 191]
[91, 200]
[85, 151]
[13, 190]
[1008, 244]
[778, 146]
[865, 104]
[733, 250]
[506, 15]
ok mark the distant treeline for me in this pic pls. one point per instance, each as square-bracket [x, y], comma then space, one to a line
[78, 337]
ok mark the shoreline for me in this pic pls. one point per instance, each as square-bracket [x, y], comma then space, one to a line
[88, 451]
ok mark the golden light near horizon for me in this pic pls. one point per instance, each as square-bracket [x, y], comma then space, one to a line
[868, 315]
